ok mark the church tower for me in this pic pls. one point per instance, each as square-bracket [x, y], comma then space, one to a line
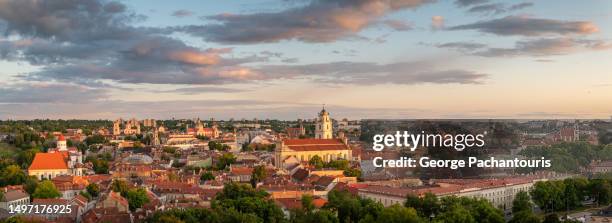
[323, 128]
[117, 127]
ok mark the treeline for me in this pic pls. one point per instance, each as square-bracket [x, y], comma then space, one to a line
[570, 194]
[242, 203]
[56, 125]
[568, 157]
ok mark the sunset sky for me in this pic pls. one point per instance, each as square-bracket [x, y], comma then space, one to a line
[284, 59]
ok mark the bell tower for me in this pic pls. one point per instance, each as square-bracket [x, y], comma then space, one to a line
[323, 129]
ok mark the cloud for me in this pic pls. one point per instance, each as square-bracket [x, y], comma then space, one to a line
[531, 47]
[48, 93]
[67, 20]
[316, 21]
[495, 8]
[200, 89]
[398, 25]
[437, 22]
[362, 73]
[547, 47]
[520, 6]
[498, 8]
[92, 40]
[182, 13]
[462, 46]
[465, 3]
[527, 26]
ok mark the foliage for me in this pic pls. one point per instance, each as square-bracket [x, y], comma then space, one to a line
[568, 194]
[93, 189]
[568, 157]
[95, 139]
[212, 145]
[100, 166]
[522, 202]
[316, 161]
[207, 176]
[136, 198]
[225, 160]
[524, 217]
[120, 186]
[12, 175]
[244, 199]
[46, 189]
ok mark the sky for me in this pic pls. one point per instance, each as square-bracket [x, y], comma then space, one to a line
[99, 59]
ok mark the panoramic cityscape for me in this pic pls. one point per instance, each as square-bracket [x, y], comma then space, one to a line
[300, 111]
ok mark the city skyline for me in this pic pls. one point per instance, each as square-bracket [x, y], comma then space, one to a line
[283, 59]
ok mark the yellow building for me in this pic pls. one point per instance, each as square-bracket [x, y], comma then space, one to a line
[48, 165]
[304, 149]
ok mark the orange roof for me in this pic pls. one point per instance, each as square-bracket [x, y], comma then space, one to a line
[48, 161]
[61, 138]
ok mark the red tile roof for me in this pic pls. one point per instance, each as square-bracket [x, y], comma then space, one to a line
[48, 161]
[315, 144]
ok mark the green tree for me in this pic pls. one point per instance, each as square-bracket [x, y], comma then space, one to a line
[456, 214]
[522, 202]
[552, 218]
[225, 160]
[427, 205]
[398, 214]
[259, 173]
[316, 161]
[136, 198]
[120, 186]
[46, 189]
[307, 204]
[246, 200]
[12, 175]
[206, 176]
[524, 217]
[601, 191]
[93, 189]
[30, 184]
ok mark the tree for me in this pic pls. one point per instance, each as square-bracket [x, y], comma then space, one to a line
[46, 189]
[120, 186]
[524, 217]
[189, 215]
[12, 175]
[259, 173]
[456, 214]
[225, 160]
[245, 199]
[207, 176]
[552, 218]
[30, 184]
[398, 214]
[601, 191]
[95, 139]
[307, 204]
[427, 205]
[86, 195]
[136, 198]
[93, 189]
[522, 202]
[317, 162]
